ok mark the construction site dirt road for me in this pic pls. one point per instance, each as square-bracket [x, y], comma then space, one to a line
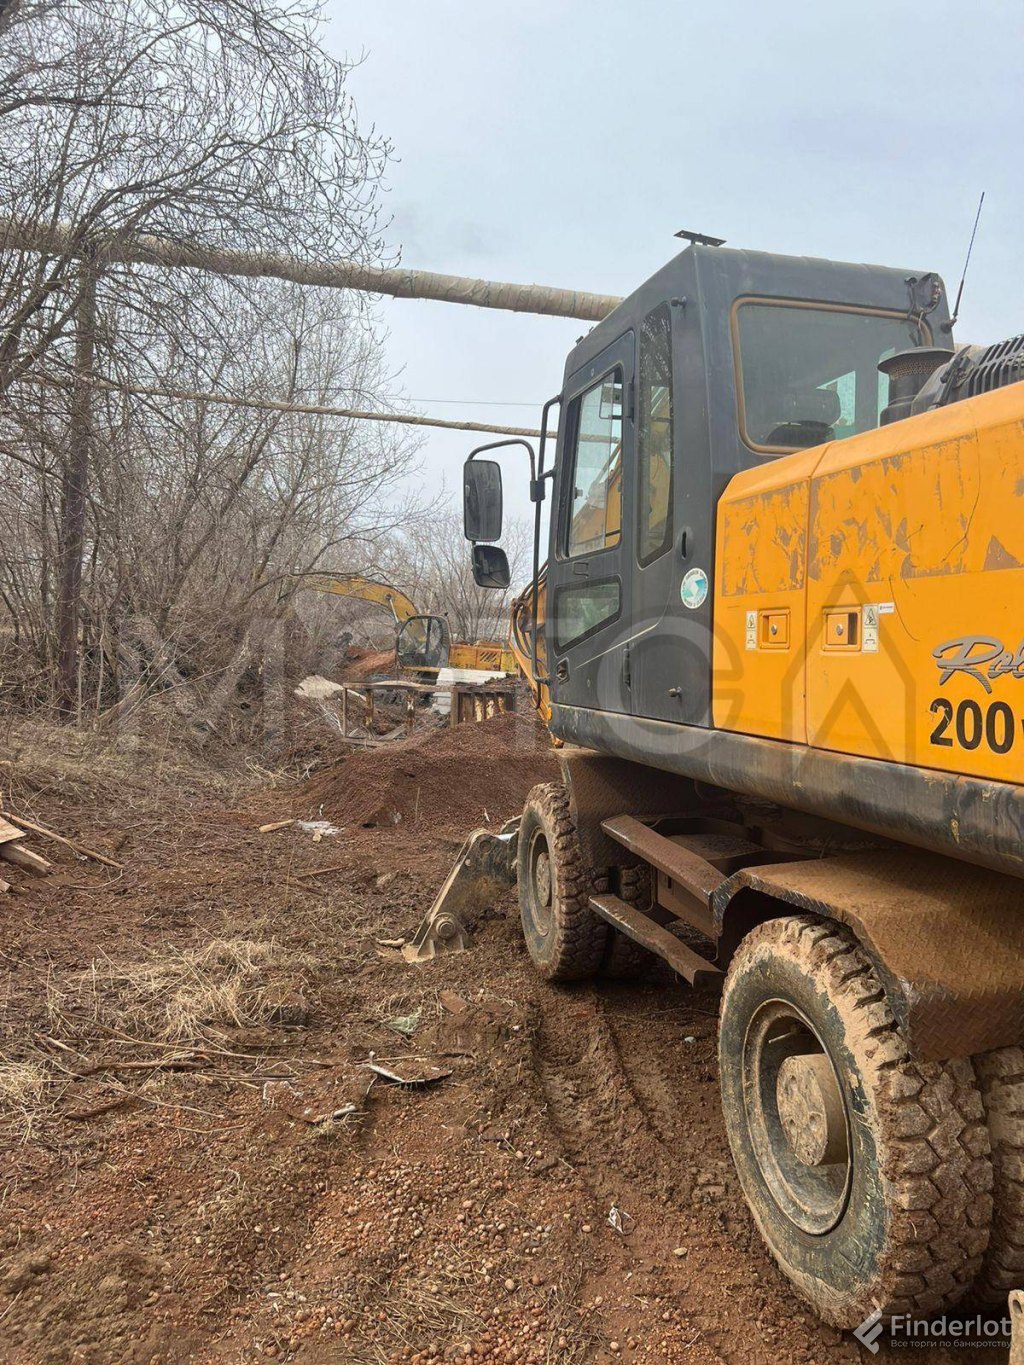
[211, 1170]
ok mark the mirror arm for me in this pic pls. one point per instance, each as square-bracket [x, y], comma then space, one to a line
[511, 441]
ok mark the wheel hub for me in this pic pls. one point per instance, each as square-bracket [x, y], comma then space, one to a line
[543, 879]
[811, 1110]
[540, 885]
[796, 1116]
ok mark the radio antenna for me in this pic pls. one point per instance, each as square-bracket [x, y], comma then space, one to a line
[948, 326]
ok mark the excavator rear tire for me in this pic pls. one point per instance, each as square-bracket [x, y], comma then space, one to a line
[868, 1174]
[1001, 1075]
[564, 938]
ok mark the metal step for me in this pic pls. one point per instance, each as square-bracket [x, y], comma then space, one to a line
[692, 872]
[726, 852]
[645, 931]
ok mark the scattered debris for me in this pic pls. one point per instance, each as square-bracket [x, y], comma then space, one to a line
[453, 1003]
[276, 825]
[80, 849]
[283, 1095]
[318, 828]
[431, 1076]
[315, 687]
[12, 851]
[405, 1023]
[620, 1220]
[26, 859]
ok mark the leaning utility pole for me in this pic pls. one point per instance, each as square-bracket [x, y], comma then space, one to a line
[61, 240]
[75, 492]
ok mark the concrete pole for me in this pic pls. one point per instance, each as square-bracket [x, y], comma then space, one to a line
[400, 284]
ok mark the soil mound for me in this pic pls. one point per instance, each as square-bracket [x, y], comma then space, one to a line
[364, 664]
[460, 778]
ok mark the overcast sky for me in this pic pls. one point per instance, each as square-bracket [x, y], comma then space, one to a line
[564, 141]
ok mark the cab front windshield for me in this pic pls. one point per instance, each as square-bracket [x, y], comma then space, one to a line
[423, 643]
[809, 374]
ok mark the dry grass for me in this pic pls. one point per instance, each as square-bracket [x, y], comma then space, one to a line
[22, 1087]
[135, 767]
[185, 995]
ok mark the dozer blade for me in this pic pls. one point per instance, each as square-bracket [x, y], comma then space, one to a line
[483, 871]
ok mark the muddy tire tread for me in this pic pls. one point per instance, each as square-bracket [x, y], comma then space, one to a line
[933, 1142]
[1001, 1075]
[581, 936]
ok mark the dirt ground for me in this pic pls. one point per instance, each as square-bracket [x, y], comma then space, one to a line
[200, 1165]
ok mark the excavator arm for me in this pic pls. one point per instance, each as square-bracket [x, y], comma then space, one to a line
[366, 589]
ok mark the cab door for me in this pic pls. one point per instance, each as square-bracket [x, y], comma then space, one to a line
[588, 585]
[671, 645]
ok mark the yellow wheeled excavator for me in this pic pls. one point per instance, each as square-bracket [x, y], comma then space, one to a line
[779, 633]
[423, 643]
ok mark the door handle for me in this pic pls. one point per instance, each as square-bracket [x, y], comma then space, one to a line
[562, 670]
[582, 568]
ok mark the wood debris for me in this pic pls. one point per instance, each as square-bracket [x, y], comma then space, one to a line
[276, 824]
[80, 849]
[13, 829]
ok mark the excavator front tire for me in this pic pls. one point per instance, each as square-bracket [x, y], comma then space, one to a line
[868, 1174]
[564, 938]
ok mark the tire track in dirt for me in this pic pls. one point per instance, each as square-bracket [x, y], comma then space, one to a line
[621, 1091]
[615, 1125]
[597, 1115]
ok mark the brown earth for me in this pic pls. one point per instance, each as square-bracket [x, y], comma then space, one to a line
[251, 1190]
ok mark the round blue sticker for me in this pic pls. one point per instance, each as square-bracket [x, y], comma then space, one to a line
[694, 589]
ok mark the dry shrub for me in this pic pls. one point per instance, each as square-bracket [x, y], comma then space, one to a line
[184, 995]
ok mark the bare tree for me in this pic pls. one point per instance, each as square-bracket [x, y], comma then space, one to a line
[222, 122]
[431, 560]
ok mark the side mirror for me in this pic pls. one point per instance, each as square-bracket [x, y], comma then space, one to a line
[423, 643]
[490, 567]
[481, 490]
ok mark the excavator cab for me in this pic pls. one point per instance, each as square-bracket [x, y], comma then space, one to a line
[720, 363]
[423, 644]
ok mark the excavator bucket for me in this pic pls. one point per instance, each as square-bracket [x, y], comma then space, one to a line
[484, 870]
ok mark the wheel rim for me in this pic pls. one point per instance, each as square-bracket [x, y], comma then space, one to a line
[541, 884]
[797, 1117]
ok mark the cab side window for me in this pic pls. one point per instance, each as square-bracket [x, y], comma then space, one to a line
[595, 521]
[654, 436]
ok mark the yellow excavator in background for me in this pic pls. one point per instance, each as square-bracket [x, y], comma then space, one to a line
[423, 643]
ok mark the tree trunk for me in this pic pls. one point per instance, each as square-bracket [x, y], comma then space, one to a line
[75, 496]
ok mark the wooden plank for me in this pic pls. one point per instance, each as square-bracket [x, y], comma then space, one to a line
[694, 873]
[643, 930]
[9, 832]
[25, 859]
[70, 843]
